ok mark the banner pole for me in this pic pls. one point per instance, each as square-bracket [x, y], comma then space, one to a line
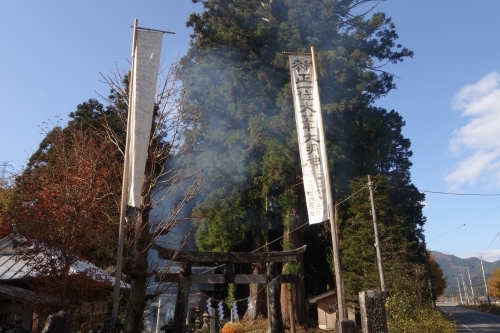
[123, 204]
[331, 216]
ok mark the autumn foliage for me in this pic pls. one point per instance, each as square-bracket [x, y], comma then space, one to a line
[66, 208]
[438, 280]
[494, 283]
[233, 328]
[5, 199]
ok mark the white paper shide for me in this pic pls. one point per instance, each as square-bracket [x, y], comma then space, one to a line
[310, 136]
[144, 79]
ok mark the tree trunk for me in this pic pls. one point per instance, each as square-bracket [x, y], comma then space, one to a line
[275, 318]
[138, 274]
[299, 289]
[296, 295]
[285, 300]
[257, 291]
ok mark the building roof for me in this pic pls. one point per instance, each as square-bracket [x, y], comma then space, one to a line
[24, 295]
[321, 296]
[14, 267]
[347, 297]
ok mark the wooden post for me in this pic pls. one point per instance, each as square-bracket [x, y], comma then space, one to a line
[123, 204]
[181, 307]
[332, 217]
[273, 289]
[377, 238]
[429, 281]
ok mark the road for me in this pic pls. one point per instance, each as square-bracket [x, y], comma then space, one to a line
[473, 321]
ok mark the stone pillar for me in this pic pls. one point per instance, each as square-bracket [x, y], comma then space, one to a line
[373, 314]
[55, 323]
[345, 326]
[212, 320]
[181, 307]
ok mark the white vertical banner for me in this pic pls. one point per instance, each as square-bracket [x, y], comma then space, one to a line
[311, 137]
[144, 79]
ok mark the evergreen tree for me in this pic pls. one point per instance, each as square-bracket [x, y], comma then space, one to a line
[398, 235]
[252, 188]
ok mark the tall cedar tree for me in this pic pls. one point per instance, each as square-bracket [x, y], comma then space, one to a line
[252, 190]
[399, 229]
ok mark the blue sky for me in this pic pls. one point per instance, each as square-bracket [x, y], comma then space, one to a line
[449, 93]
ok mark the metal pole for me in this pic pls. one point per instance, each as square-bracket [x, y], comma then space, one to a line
[333, 224]
[460, 292]
[471, 290]
[484, 278]
[123, 206]
[377, 239]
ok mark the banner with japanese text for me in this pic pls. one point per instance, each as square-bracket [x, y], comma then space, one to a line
[310, 136]
[144, 79]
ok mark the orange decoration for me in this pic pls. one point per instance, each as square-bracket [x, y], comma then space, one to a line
[233, 328]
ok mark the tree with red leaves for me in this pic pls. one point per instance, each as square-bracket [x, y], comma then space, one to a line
[65, 206]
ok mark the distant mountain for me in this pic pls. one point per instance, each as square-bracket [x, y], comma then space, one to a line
[452, 266]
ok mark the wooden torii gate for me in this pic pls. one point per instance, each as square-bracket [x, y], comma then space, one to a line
[272, 278]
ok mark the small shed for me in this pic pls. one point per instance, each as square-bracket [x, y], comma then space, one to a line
[327, 309]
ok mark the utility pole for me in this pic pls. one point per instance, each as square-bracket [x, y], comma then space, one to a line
[471, 290]
[484, 278]
[465, 289]
[428, 272]
[377, 240]
[461, 301]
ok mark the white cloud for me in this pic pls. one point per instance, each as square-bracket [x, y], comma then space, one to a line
[477, 143]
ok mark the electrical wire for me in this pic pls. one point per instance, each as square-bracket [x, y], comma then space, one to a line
[477, 218]
[306, 223]
[463, 194]
[492, 243]
[442, 192]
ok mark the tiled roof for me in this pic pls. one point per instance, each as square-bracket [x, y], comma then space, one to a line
[24, 295]
[14, 267]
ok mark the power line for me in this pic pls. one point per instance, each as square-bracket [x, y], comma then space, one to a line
[306, 223]
[446, 193]
[492, 243]
[493, 249]
[463, 194]
[491, 211]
